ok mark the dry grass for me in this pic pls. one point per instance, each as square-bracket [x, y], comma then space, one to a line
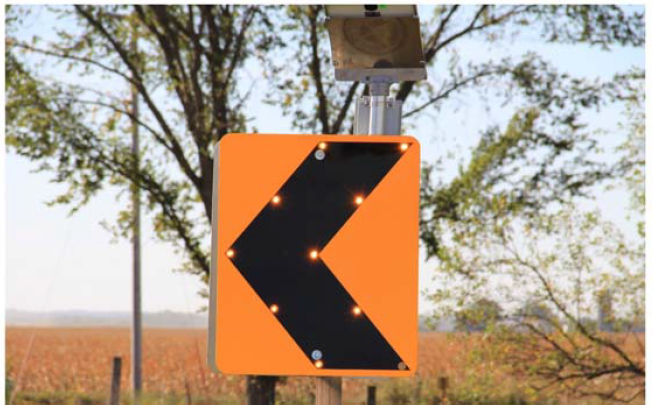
[77, 363]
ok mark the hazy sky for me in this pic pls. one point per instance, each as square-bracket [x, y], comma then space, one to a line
[58, 263]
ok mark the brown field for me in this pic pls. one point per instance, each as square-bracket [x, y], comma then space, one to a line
[74, 365]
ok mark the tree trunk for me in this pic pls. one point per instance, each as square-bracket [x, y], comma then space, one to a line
[261, 389]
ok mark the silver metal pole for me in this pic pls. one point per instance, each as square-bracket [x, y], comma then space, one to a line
[136, 248]
[377, 113]
[377, 107]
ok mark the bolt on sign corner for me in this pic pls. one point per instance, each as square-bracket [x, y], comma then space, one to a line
[315, 255]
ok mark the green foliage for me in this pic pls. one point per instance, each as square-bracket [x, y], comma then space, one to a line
[182, 62]
[475, 388]
[303, 394]
[633, 149]
[185, 64]
[48, 398]
[597, 25]
[398, 392]
[78, 398]
[553, 269]
[549, 267]
[9, 387]
[486, 394]
[480, 315]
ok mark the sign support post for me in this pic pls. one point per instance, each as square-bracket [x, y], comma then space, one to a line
[329, 390]
[376, 113]
[316, 240]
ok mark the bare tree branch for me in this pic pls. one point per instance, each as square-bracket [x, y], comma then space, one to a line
[315, 69]
[67, 56]
[346, 105]
[430, 53]
[176, 148]
[446, 91]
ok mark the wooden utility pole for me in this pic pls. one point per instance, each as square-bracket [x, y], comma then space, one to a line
[136, 245]
[329, 390]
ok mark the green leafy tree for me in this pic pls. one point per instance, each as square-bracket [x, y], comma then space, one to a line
[562, 263]
[479, 315]
[189, 55]
[555, 272]
[184, 63]
[544, 156]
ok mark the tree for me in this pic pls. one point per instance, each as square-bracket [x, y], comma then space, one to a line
[566, 262]
[539, 315]
[555, 268]
[544, 159]
[548, 126]
[480, 315]
[186, 70]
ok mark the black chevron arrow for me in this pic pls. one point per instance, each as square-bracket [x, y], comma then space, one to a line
[273, 255]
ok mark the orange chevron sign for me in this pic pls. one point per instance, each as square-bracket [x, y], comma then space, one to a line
[315, 255]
